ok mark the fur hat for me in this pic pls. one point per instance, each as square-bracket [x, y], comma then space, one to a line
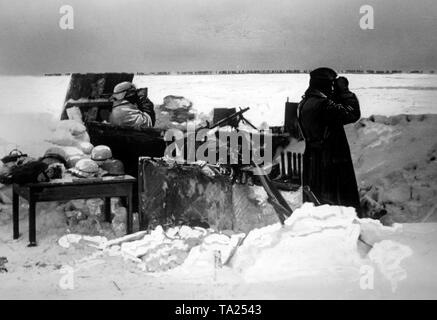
[323, 74]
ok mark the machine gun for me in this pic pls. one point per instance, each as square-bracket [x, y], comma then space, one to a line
[231, 118]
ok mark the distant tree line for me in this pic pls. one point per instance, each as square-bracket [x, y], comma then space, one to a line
[273, 71]
[276, 71]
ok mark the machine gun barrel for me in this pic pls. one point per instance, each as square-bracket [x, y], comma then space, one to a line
[228, 118]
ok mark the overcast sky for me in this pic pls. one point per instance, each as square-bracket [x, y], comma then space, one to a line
[172, 35]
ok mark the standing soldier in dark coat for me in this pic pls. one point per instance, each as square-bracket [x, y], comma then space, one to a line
[326, 107]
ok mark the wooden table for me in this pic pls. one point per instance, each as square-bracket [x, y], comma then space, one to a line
[70, 188]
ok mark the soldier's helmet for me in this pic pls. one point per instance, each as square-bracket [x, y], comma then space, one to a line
[73, 160]
[123, 89]
[113, 167]
[55, 154]
[85, 168]
[101, 153]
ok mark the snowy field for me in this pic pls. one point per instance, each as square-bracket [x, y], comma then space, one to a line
[30, 105]
[378, 94]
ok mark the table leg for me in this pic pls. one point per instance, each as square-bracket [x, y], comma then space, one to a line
[107, 209]
[32, 223]
[129, 218]
[15, 214]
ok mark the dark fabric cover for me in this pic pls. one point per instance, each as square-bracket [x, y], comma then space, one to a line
[183, 195]
[327, 163]
[28, 172]
[324, 74]
[145, 105]
[290, 123]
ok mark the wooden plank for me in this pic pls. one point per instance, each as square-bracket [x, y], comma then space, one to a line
[289, 166]
[290, 121]
[70, 182]
[299, 168]
[80, 192]
[295, 173]
[22, 191]
[15, 213]
[88, 103]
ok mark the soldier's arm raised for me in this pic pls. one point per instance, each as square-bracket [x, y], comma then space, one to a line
[144, 121]
[346, 110]
[137, 119]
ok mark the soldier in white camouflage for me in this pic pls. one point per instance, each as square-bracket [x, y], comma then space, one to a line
[125, 111]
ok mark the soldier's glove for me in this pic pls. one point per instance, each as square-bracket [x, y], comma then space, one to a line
[341, 86]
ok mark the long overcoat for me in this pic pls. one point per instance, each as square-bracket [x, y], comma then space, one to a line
[327, 164]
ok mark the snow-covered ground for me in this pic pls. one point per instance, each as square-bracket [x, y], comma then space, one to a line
[315, 255]
[266, 94]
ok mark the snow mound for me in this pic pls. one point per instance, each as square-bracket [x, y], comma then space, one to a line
[314, 240]
[321, 242]
[373, 231]
[160, 251]
[387, 255]
[69, 133]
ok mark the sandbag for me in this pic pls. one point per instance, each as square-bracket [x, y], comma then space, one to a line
[69, 133]
[71, 154]
[174, 113]
[74, 113]
[73, 126]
